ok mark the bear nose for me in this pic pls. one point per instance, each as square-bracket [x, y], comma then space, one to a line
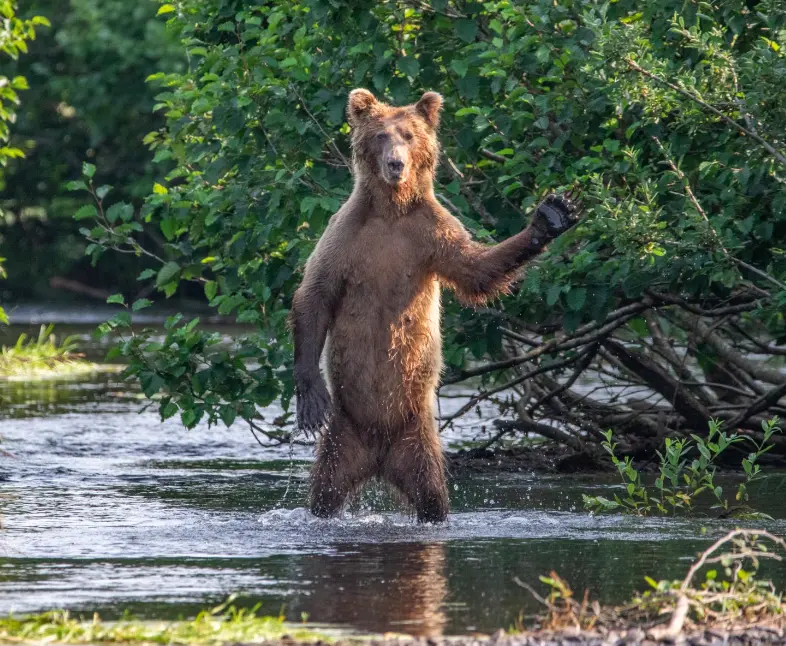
[396, 165]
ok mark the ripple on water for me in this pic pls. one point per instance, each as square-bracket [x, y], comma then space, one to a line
[370, 526]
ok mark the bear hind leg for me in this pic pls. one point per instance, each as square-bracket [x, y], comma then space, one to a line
[416, 466]
[342, 465]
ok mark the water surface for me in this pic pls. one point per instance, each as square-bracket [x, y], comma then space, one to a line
[107, 508]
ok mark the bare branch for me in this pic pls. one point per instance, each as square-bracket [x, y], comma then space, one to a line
[492, 156]
[549, 432]
[727, 353]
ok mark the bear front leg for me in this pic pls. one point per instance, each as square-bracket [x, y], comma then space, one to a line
[343, 464]
[477, 272]
[415, 465]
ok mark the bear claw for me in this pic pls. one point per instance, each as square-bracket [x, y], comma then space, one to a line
[556, 214]
[313, 406]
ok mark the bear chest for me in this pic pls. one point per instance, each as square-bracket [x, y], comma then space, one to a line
[386, 258]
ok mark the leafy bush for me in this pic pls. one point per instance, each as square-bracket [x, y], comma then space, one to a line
[681, 482]
[14, 35]
[669, 116]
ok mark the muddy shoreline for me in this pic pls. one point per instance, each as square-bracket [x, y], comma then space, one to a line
[743, 636]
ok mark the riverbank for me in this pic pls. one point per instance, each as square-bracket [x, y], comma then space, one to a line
[743, 636]
[242, 631]
[44, 357]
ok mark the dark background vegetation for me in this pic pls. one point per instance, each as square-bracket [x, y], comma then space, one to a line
[662, 310]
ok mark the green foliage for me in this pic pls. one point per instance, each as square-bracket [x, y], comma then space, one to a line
[730, 594]
[538, 96]
[3, 315]
[683, 481]
[43, 356]
[224, 624]
[14, 34]
[87, 100]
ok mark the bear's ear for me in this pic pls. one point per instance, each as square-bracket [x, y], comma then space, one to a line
[429, 107]
[360, 103]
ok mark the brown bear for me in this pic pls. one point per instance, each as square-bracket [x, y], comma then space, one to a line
[370, 297]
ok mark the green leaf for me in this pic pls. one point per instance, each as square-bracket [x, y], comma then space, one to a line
[211, 287]
[102, 191]
[552, 295]
[168, 410]
[168, 273]
[228, 415]
[169, 228]
[576, 298]
[189, 418]
[119, 211]
[85, 212]
[88, 170]
[76, 185]
[409, 65]
[121, 319]
[116, 298]
[141, 304]
[165, 8]
[460, 66]
[466, 29]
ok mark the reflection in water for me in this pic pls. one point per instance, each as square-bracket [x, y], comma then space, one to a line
[400, 586]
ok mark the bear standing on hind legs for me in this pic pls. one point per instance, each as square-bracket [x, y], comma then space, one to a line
[370, 298]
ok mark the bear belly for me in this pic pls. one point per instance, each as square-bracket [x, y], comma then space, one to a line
[383, 362]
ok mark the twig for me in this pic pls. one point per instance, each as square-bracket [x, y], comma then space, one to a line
[453, 208]
[485, 152]
[759, 272]
[474, 401]
[549, 432]
[672, 299]
[721, 541]
[330, 140]
[726, 352]
[586, 359]
[689, 192]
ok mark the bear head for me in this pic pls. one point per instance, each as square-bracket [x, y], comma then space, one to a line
[397, 145]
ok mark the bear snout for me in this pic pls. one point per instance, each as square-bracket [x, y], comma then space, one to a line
[396, 166]
[394, 169]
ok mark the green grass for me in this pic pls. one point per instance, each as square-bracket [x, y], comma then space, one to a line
[44, 358]
[224, 624]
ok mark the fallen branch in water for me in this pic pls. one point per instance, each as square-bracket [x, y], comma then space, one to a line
[606, 374]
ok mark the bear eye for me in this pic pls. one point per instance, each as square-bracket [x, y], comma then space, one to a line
[382, 136]
[408, 135]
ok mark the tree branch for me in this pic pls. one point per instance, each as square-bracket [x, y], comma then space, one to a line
[727, 353]
[549, 432]
[662, 382]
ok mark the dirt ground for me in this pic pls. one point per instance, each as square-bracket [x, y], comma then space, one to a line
[747, 636]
